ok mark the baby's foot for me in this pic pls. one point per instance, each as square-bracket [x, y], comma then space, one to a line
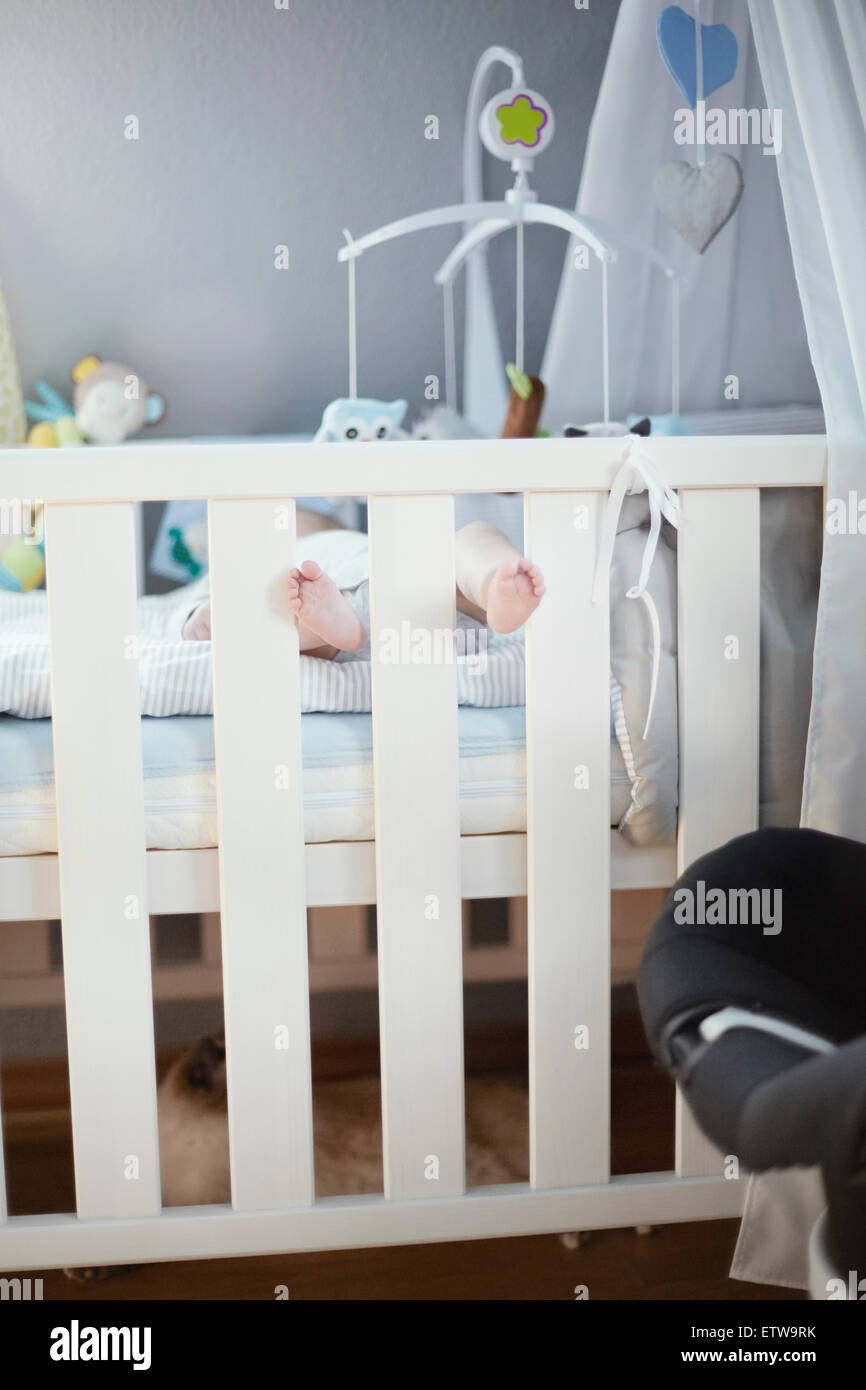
[322, 610]
[197, 626]
[515, 590]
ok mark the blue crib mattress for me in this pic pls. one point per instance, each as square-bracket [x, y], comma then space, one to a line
[180, 789]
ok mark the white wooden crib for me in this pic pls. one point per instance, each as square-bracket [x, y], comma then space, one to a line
[103, 884]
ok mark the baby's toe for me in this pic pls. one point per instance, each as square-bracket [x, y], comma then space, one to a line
[310, 570]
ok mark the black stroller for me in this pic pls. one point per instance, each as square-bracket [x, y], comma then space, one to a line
[753, 994]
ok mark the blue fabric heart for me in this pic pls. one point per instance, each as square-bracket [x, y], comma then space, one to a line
[676, 37]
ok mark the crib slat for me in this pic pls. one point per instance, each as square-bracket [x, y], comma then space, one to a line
[261, 836]
[100, 828]
[417, 851]
[719, 597]
[568, 847]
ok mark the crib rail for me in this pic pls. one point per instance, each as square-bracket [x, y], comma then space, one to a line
[263, 895]
[170, 470]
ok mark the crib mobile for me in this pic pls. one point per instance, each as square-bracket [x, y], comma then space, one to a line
[516, 125]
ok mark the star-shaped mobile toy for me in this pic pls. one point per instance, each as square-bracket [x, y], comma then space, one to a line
[521, 121]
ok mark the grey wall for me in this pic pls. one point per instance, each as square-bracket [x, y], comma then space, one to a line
[258, 127]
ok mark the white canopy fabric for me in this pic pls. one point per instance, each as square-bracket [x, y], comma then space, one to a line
[740, 310]
[813, 58]
[813, 62]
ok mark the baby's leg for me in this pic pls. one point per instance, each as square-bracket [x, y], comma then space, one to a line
[197, 627]
[327, 624]
[494, 581]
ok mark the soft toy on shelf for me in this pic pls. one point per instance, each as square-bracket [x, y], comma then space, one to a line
[634, 424]
[110, 402]
[22, 561]
[55, 419]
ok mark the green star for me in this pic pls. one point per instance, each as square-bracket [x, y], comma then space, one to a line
[521, 122]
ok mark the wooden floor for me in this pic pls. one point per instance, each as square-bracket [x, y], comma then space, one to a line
[681, 1262]
[686, 1262]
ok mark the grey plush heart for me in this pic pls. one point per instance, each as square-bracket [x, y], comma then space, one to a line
[698, 202]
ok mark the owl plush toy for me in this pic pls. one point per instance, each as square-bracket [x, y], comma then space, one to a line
[360, 420]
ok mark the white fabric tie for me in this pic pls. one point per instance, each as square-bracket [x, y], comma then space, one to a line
[638, 473]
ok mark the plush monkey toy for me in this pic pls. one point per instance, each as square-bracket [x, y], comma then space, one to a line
[110, 403]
